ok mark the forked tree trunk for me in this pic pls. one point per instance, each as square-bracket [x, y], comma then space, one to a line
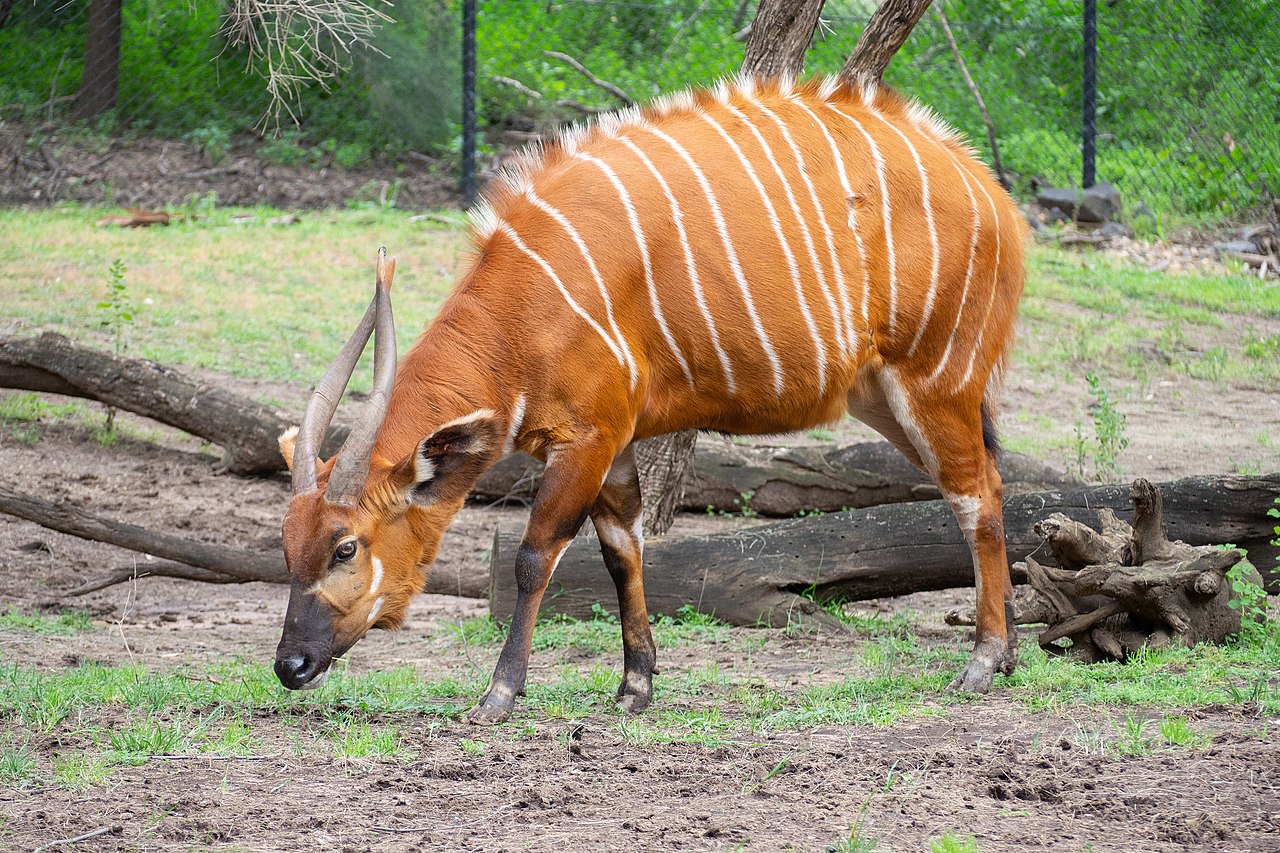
[780, 35]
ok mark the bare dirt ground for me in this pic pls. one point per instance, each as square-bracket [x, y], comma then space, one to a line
[39, 168]
[1013, 779]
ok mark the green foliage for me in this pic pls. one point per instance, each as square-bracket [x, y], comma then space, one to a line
[1110, 436]
[213, 140]
[117, 308]
[949, 843]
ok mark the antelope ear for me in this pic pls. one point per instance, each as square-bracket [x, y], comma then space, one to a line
[446, 464]
[287, 440]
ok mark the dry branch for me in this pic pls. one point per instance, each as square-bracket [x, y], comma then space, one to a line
[756, 575]
[187, 558]
[592, 78]
[975, 92]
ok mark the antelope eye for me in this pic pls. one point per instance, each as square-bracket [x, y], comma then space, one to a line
[345, 551]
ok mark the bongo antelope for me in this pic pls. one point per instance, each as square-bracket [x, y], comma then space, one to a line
[760, 257]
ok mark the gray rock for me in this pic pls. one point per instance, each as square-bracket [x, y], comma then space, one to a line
[1115, 229]
[1235, 246]
[1100, 203]
[1055, 198]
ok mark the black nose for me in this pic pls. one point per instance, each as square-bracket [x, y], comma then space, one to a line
[296, 670]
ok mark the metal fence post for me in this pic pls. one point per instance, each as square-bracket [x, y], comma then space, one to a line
[468, 102]
[1089, 134]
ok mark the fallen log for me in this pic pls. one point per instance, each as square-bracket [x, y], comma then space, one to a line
[187, 558]
[245, 429]
[766, 574]
[783, 482]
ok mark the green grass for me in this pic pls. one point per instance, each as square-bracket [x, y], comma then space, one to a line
[64, 623]
[1137, 324]
[208, 296]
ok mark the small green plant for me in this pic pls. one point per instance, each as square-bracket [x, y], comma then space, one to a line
[1263, 347]
[1110, 436]
[949, 843]
[822, 434]
[1133, 738]
[116, 316]
[285, 149]
[212, 140]
[1176, 731]
[472, 747]
[77, 772]
[855, 842]
[17, 767]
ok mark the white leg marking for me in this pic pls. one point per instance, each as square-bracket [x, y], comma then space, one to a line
[968, 272]
[933, 231]
[636, 230]
[967, 509]
[730, 253]
[901, 408]
[595, 273]
[616, 537]
[848, 193]
[373, 613]
[818, 344]
[377, 575]
[885, 214]
[511, 234]
[517, 419]
[677, 216]
[836, 321]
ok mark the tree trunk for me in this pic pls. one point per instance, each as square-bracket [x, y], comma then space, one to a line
[6, 9]
[101, 75]
[1124, 588]
[888, 30]
[756, 575]
[245, 429]
[780, 35]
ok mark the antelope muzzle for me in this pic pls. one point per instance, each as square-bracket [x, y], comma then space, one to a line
[306, 647]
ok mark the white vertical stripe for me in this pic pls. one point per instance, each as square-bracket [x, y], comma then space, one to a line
[636, 230]
[928, 221]
[677, 216]
[841, 320]
[968, 271]
[377, 575]
[885, 214]
[847, 190]
[373, 613]
[730, 253]
[819, 346]
[517, 419]
[995, 281]
[595, 273]
[506, 229]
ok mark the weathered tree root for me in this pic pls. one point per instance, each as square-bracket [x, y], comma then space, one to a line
[1125, 587]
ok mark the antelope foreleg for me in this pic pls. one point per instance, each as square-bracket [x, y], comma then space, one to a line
[569, 488]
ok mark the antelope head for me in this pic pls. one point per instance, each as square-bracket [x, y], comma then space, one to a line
[359, 531]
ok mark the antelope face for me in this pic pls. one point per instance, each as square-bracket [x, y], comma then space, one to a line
[349, 571]
[356, 568]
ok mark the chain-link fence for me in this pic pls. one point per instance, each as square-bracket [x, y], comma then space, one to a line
[1188, 91]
